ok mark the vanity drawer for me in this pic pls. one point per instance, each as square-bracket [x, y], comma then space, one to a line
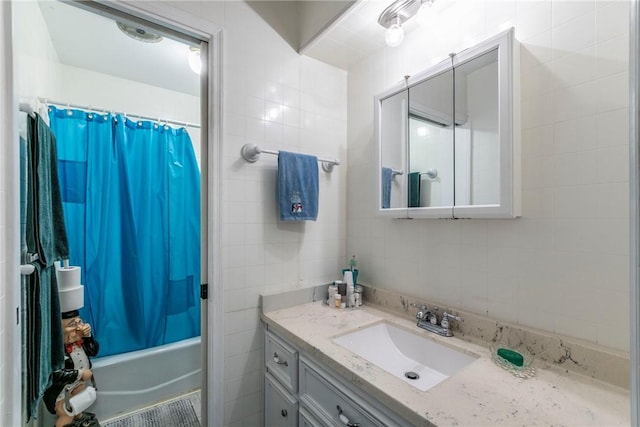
[282, 361]
[280, 407]
[319, 393]
[307, 418]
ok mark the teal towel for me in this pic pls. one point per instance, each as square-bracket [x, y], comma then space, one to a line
[45, 343]
[46, 232]
[45, 236]
[414, 190]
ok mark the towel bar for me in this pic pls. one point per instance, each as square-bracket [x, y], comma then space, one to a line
[27, 108]
[251, 153]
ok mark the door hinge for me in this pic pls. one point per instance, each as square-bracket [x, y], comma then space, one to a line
[204, 291]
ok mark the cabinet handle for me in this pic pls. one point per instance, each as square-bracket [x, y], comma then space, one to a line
[283, 412]
[344, 419]
[278, 361]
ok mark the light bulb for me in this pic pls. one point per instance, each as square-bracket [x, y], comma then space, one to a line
[194, 60]
[394, 35]
[422, 15]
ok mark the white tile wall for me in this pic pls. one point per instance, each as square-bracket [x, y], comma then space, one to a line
[278, 100]
[569, 251]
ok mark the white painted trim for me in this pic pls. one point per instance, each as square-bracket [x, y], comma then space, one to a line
[215, 405]
[634, 209]
[10, 275]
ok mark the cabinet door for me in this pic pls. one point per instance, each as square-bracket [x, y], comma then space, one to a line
[280, 407]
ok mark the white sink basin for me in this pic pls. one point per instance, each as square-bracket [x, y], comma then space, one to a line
[399, 352]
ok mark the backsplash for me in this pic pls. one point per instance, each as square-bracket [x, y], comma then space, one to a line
[608, 365]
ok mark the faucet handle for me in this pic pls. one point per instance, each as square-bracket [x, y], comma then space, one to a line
[422, 309]
[446, 315]
[445, 319]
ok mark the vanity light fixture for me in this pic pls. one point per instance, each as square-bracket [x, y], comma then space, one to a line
[397, 13]
[394, 34]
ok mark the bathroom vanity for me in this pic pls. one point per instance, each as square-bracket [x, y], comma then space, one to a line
[312, 380]
[301, 391]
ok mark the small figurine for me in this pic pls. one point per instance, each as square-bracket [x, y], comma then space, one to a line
[69, 394]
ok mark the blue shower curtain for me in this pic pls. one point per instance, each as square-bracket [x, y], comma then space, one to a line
[131, 199]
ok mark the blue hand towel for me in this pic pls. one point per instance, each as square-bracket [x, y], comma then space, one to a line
[297, 186]
[387, 176]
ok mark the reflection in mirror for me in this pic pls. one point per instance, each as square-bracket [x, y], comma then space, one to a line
[393, 142]
[431, 156]
[477, 139]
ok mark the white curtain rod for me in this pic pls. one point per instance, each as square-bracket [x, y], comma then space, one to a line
[26, 108]
[47, 101]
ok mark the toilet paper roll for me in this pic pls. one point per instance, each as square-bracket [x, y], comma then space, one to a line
[68, 277]
[71, 299]
[81, 401]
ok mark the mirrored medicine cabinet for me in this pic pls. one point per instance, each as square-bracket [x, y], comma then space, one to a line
[448, 138]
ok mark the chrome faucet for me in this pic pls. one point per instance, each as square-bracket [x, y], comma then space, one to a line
[428, 319]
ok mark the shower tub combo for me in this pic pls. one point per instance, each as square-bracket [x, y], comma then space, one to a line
[131, 381]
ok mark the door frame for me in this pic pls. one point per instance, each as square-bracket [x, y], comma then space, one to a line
[634, 208]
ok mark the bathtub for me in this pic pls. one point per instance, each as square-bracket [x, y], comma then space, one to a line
[130, 381]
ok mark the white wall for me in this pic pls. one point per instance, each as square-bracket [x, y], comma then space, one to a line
[85, 87]
[262, 74]
[563, 266]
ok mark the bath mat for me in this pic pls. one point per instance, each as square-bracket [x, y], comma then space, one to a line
[178, 413]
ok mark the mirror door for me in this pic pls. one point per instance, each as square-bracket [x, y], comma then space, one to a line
[431, 145]
[477, 134]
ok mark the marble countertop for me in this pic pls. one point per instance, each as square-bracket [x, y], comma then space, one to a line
[482, 394]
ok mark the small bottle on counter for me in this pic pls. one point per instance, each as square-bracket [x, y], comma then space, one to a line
[337, 298]
[358, 295]
[331, 291]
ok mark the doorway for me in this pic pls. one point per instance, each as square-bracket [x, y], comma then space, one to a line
[72, 94]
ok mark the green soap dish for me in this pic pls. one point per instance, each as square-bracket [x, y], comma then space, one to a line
[511, 356]
[517, 361]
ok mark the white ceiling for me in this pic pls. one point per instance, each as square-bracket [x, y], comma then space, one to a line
[353, 36]
[357, 34]
[88, 40]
